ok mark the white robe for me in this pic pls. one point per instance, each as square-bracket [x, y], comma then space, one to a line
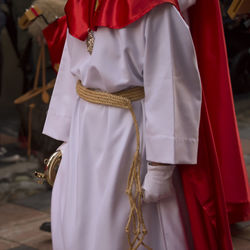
[89, 205]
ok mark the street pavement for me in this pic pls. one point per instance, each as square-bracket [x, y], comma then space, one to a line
[20, 222]
[25, 205]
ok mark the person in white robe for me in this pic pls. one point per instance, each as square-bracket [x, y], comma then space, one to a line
[89, 205]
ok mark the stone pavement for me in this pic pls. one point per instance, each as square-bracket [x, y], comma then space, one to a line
[25, 205]
[20, 222]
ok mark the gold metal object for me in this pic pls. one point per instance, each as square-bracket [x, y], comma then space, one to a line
[91, 38]
[90, 41]
[51, 168]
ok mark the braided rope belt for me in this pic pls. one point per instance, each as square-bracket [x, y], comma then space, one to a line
[135, 228]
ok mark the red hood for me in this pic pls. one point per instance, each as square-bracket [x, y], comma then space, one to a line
[115, 14]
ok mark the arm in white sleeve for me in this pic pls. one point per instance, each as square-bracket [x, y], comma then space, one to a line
[172, 89]
[57, 124]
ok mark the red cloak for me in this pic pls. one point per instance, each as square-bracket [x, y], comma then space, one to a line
[83, 16]
[55, 35]
[216, 189]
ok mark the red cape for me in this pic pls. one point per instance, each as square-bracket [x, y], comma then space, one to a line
[55, 35]
[216, 189]
[209, 41]
[115, 14]
[217, 186]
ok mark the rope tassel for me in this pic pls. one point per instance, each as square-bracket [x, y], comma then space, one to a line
[135, 228]
[135, 220]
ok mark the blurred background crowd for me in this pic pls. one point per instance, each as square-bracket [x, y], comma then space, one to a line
[32, 34]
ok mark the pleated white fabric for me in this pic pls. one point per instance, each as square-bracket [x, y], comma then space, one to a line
[89, 205]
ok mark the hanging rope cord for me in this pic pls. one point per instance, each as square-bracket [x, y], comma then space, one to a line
[123, 99]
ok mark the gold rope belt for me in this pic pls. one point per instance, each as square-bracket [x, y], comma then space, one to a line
[123, 99]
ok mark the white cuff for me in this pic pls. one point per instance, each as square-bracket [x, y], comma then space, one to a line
[164, 149]
[57, 127]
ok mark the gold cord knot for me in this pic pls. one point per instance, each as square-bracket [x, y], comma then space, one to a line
[135, 227]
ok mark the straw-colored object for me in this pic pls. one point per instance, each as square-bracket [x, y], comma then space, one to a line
[38, 90]
[239, 7]
[40, 15]
[29, 16]
[135, 228]
[29, 99]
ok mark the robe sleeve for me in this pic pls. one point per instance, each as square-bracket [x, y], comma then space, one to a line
[57, 124]
[172, 89]
[185, 4]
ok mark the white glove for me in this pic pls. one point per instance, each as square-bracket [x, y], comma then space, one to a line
[158, 183]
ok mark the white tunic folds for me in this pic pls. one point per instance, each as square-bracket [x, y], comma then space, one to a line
[89, 205]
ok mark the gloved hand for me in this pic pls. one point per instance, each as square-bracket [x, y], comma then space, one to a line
[158, 183]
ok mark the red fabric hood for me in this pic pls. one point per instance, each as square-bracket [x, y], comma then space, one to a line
[115, 14]
[55, 35]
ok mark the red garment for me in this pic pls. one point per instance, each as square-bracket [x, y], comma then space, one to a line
[115, 14]
[55, 35]
[210, 47]
[217, 186]
[216, 189]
